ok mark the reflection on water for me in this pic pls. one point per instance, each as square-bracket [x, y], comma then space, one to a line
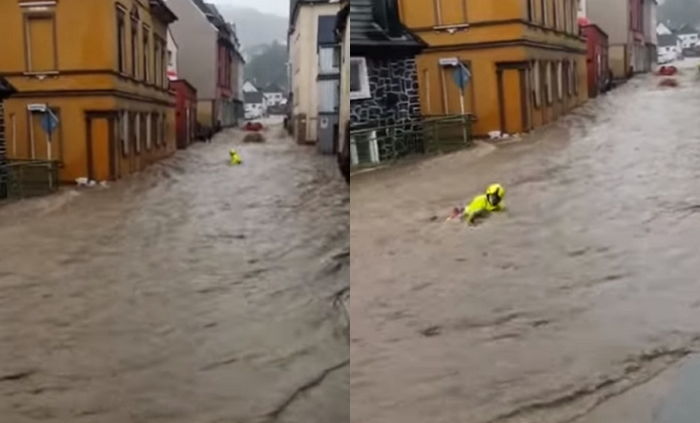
[193, 292]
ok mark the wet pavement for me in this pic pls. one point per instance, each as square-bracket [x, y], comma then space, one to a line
[192, 292]
[584, 290]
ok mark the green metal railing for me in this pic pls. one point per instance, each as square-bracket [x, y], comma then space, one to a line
[28, 178]
[374, 145]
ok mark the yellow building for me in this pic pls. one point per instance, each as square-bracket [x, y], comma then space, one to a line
[99, 67]
[523, 61]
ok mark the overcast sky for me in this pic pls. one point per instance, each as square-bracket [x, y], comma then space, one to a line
[277, 7]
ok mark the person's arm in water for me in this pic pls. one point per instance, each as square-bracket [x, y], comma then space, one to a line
[475, 209]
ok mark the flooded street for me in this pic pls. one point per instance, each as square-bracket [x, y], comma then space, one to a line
[586, 288]
[192, 292]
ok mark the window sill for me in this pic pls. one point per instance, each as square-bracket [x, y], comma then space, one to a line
[451, 27]
[359, 96]
[42, 73]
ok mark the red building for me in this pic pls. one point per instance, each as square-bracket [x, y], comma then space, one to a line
[185, 112]
[597, 46]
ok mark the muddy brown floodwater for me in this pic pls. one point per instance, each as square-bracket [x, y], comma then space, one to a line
[192, 292]
[587, 287]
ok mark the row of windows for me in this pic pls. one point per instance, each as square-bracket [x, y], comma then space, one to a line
[140, 52]
[560, 15]
[556, 14]
[135, 129]
[225, 64]
[553, 80]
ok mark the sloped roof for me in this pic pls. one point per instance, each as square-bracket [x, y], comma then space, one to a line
[162, 11]
[272, 88]
[366, 32]
[253, 97]
[687, 30]
[666, 40]
[341, 20]
[294, 5]
[6, 88]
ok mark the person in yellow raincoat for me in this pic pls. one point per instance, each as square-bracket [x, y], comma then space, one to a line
[489, 202]
[235, 158]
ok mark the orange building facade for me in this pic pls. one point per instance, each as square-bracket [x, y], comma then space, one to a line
[99, 67]
[523, 60]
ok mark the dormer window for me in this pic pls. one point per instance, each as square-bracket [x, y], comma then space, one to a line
[386, 16]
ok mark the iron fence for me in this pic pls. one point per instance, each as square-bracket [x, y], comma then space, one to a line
[374, 145]
[28, 178]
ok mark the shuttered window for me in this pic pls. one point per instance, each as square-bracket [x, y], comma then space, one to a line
[40, 31]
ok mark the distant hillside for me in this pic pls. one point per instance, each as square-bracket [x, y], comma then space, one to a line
[268, 66]
[679, 12]
[255, 28]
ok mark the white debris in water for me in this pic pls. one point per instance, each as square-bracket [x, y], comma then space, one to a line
[498, 135]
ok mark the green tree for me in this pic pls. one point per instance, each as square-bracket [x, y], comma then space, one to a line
[269, 66]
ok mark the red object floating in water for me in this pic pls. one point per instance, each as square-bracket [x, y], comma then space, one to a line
[253, 126]
[667, 71]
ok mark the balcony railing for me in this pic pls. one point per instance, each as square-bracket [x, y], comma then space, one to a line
[375, 145]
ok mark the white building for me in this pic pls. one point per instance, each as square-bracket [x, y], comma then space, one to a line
[688, 36]
[662, 29]
[651, 40]
[670, 48]
[172, 57]
[582, 9]
[254, 104]
[273, 95]
[314, 71]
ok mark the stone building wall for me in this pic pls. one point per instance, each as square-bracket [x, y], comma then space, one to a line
[394, 101]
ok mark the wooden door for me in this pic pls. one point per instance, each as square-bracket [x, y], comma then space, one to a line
[100, 146]
[512, 95]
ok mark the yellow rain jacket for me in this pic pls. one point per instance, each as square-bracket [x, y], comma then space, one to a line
[235, 158]
[491, 201]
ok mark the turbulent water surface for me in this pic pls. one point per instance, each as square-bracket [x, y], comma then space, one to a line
[588, 286]
[192, 292]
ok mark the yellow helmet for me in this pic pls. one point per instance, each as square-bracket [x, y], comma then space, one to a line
[495, 193]
[496, 189]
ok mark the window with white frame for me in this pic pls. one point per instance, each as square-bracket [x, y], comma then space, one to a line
[545, 12]
[536, 76]
[125, 134]
[328, 95]
[359, 79]
[327, 60]
[149, 139]
[364, 148]
[560, 80]
[137, 133]
[548, 81]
